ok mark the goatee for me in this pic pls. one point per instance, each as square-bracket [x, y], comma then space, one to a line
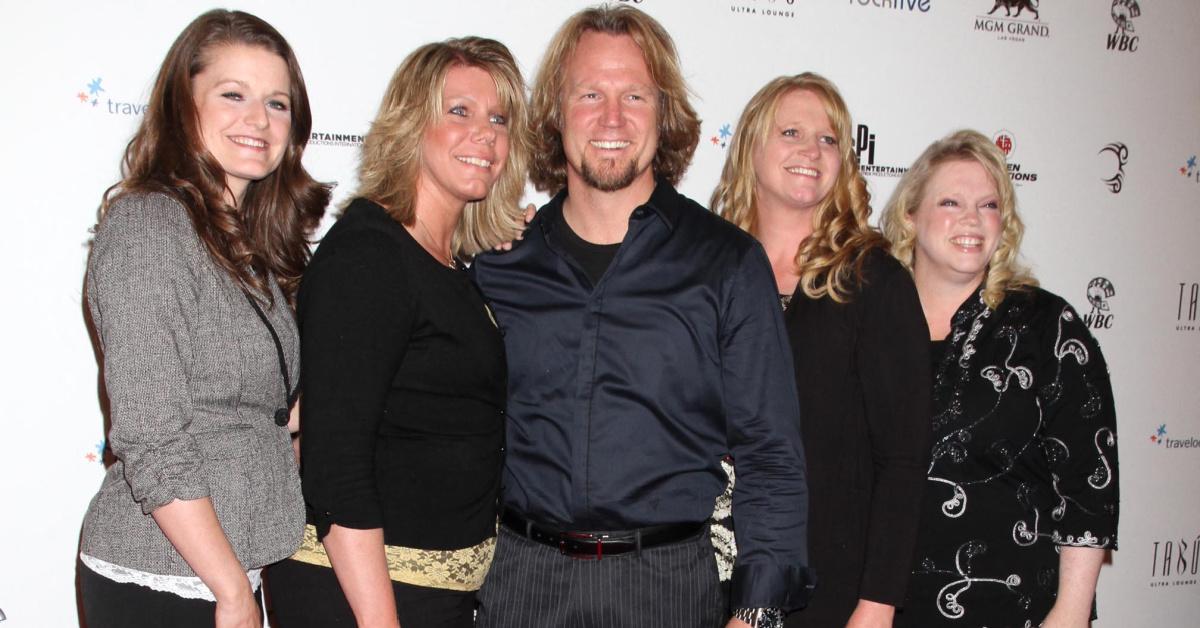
[611, 179]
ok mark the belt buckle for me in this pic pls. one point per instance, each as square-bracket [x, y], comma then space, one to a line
[580, 536]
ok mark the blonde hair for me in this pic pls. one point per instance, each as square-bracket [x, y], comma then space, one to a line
[832, 256]
[412, 103]
[678, 124]
[1004, 271]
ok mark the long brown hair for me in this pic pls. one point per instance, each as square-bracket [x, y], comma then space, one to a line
[412, 103]
[678, 124]
[1004, 271]
[268, 233]
[829, 260]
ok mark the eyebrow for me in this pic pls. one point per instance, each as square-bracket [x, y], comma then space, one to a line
[243, 84]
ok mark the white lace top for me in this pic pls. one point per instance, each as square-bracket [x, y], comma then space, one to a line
[189, 587]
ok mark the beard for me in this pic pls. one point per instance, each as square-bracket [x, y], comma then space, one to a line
[609, 179]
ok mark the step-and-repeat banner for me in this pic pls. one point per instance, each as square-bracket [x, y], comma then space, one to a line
[1095, 102]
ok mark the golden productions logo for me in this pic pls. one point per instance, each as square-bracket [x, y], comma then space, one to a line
[1185, 312]
[1007, 143]
[1021, 21]
[864, 150]
[95, 97]
[1122, 39]
[772, 9]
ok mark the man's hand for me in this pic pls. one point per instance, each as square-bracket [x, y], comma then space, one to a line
[736, 623]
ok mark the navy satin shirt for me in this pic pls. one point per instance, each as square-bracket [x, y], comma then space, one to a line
[624, 396]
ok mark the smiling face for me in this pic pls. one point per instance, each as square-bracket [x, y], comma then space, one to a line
[796, 165]
[243, 104]
[610, 114]
[464, 151]
[957, 224]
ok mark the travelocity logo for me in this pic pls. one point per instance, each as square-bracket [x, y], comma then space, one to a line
[96, 97]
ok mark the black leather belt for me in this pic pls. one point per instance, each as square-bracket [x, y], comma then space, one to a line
[596, 545]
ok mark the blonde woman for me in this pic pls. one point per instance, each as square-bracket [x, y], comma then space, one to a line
[857, 339]
[403, 414]
[1021, 500]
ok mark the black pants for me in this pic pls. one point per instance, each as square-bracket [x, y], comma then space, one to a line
[309, 596]
[111, 604]
[671, 586]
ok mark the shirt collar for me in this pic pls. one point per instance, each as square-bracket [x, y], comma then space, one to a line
[665, 201]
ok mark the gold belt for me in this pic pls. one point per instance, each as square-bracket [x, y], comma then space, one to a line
[458, 570]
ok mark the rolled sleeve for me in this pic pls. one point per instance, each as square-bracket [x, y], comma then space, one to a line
[355, 319]
[141, 292]
[770, 499]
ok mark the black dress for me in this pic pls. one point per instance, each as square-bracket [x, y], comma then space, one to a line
[862, 374]
[1024, 461]
[402, 417]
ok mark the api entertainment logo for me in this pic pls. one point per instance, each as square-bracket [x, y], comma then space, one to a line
[1099, 291]
[722, 137]
[91, 97]
[864, 150]
[1189, 170]
[764, 8]
[1121, 153]
[321, 138]
[1007, 143]
[1123, 39]
[1011, 26]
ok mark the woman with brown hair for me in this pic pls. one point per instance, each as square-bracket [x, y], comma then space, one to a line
[857, 337]
[404, 383]
[195, 263]
[1022, 498]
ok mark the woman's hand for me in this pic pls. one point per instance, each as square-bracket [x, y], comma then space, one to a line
[530, 212]
[238, 611]
[870, 614]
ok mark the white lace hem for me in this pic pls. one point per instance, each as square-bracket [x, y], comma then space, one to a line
[189, 587]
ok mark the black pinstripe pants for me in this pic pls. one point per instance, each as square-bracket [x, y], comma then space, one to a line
[533, 585]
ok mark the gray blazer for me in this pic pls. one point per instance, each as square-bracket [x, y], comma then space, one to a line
[193, 381]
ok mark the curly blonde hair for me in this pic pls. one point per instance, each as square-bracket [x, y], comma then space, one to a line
[1004, 271]
[678, 124]
[829, 261]
[412, 103]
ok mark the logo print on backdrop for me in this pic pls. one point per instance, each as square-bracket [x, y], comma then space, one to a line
[1160, 437]
[1007, 144]
[1013, 25]
[1122, 39]
[1189, 298]
[721, 139]
[899, 5]
[90, 96]
[864, 146]
[1189, 170]
[97, 453]
[1121, 152]
[765, 8]
[1176, 561]
[1099, 291]
[320, 138]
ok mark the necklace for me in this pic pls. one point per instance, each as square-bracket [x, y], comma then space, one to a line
[449, 260]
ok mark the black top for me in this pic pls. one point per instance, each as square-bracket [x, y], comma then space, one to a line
[403, 389]
[624, 396]
[862, 369]
[593, 258]
[1024, 460]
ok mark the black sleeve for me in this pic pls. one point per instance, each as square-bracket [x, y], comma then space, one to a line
[893, 362]
[356, 315]
[1079, 444]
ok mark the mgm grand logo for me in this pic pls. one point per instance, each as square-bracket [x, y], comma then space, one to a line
[1020, 21]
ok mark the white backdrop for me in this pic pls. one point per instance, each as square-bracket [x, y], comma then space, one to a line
[1058, 88]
